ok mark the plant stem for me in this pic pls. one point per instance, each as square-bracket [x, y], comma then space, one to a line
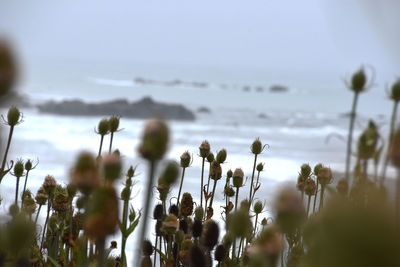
[101, 145]
[213, 192]
[255, 224]
[202, 177]
[155, 252]
[308, 204]
[258, 179]
[45, 222]
[111, 141]
[123, 238]
[16, 191]
[252, 178]
[23, 191]
[180, 186]
[315, 197]
[146, 213]
[321, 200]
[101, 255]
[3, 164]
[208, 186]
[234, 241]
[350, 136]
[37, 214]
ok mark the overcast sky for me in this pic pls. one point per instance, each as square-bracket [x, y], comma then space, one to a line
[283, 34]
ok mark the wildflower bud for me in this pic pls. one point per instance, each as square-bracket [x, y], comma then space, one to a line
[126, 194]
[154, 140]
[197, 228]
[229, 174]
[317, 168]
[113, 123]
[215, 170]
[310, 187]
[131, 172]
[85, 173]
[71, 189]
[290, 211]
[305, 170]
[238, 178]
[260, 167]
[239, 224]
[245, 205]
[132, 215]
[179, 236]
[325, 176]
[60, 202]
[170, 224]
[170, 173]
[199, 213]
[28, 165]
[185, 159]
[342, 187]
[264, 222]
[256, 147]
[204, 149]
[229, 192]
[358, 81]
[183, 225]
[19, 168]
[13, 116]
[221, 156]
[300, 183]
[41, 196]
[49, 185]
[210, 234]
[29, 205]
[210, 157]
[158, 212]
[103, 127]
[173, 209]
[395, 92]
[186, 205]
[147, 248]
[220, 253]
[197, 257]
[258, 207]
[112, 167]
[394, 149]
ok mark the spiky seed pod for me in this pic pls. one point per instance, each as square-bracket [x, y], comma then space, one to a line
[179, 236]
[229, 192]
[342, 187]
[260, 167]
[112, 167]
[204, 149]
[317, 168]
[368, 141]
[210, 157]
[239, 224]
[85, 174]
[325, 176]
[290, 212]
[310, 187]
[147, 248]
[358, 81]
[102, 215]
[183, 225]
[49, 185]
[79, 220]
[229, 174]
[170, 173]
[170, 224]
[132, 215]
[186, 205]
[197, 258]
[258, 207]
[113, 123]
[103, 127]
[221, 156]
[197, 228]
[13, 116]
[185, 159]
[28, 165]
[210, 234]
[41, 196]
[155, 140]
[395, 91]
[126, 193]
[394, 149]
[19, 168]
[220, 253]
[163, 190]
[71, 189]
[256, 147]
[158, 228]
[210, 212]
[227, 241]
[270, 243]
[8, 69]
[158, 212]
[131, 172]
[199, 213]
[305, 170]
[245, 205]
[238, 178]
[29, 204]
[300, 183]
[264, 222]
[60, 201]
[173, 209]
[215, 171]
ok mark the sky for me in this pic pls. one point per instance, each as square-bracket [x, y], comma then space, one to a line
[289, 35]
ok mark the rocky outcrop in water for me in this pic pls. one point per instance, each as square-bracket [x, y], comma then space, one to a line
[142, 109]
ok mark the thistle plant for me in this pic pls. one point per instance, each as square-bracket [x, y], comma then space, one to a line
[28, 167]
[113, 124]
[204, 152]
[103, 128]
[18, 173]
[215, 174]
[185, 162]
[256, 149]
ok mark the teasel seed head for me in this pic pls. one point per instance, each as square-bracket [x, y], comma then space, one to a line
[197, 228]
[131, 172]
[221, 156]
[183, 225]
[28, 165]
[210, 157]
[245, 205]
[290, 212]
[300, 183]
[358, 81]
[220, 253]
[173, 209]
[210, 234]
[310, 188]
[256, 147]
[258, 207]
[29, 205]
[19, 168]
[41, 196]
[163, 189]
[317, 168]
[270, 243]
[229, 174]
[13, 116]
[238, 178]
[112, 167]
[61, 200]
[170, 173]
[342, 187]
[71, 189]
[305, 170]
[239, 224]
[147, 248]
[185, 159]
[324, 176]
[113, 123]
[179, 236]
[126, 193]
[227, 241]
[204, 149]
[170, 224]
[260, 167]
[103, 127]
[186, 205]
[197, 258]
[49, 185]
[229, 192]
[155, 140]
[215, 170]
[199, 213]
[158, 212]
[85, 174]
[395, 91]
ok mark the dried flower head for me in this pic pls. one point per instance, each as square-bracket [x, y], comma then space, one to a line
[238, 178]
[215, 171]
[103, 127]
[310, 188]
[221, 156]
[13, 116]
[113, 123]
[41, 196]
[325, 176]
[85, 174]
[49, 185]
[112, 167]
[257, 147]
[204, 149]
[186, 205]
[155, 140]
[185, 159]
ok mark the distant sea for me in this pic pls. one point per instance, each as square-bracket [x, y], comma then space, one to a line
[306, 124]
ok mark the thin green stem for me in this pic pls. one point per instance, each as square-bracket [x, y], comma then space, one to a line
[180, 186]
[350, 136]
[101, 145]
[23, 191]
[252, 178]
[202, 178]
[3, 164]
[123, 237]
[111, 141]
[155, 252]
[45, 222]
[208, 186]
[37, 214]
[213, 192]
[16, 191]
[255, 225]
[254, 192]
[321, 200]
[315, 197]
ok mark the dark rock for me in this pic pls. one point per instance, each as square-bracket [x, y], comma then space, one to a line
[142, 109]
[203, 110]
[278, 89]
[262, 116]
